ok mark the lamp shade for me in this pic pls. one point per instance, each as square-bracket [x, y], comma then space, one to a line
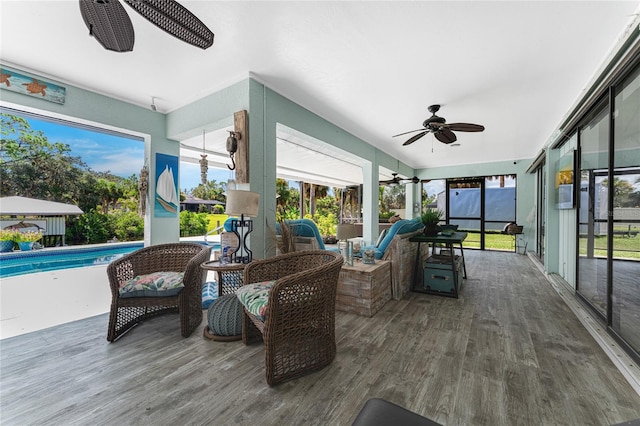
[242, 203]
[346, 231]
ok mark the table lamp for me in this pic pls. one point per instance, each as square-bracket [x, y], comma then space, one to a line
[242, 203]
[343, 233]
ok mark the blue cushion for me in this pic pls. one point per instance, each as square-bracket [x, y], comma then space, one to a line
[227, 224]
[209, 293]
[305, 228]
[403, 226]
[383, 234]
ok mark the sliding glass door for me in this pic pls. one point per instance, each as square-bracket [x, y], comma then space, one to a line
[625, 226]
[609, 211]
[593, 208]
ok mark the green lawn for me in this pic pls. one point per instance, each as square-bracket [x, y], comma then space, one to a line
[623, 247]
[492, 241]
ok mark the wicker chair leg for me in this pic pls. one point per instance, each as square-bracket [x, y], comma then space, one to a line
[190, 314]
[250, 333]
[113, 319]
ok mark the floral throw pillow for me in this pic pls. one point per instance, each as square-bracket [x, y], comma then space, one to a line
[255, 297]
[157, 284]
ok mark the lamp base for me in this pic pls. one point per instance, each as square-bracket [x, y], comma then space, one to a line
[242, 228]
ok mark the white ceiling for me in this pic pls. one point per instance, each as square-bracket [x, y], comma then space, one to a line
[372, 68]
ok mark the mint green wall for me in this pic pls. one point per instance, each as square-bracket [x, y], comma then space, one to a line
[102, 111]
[209, 113]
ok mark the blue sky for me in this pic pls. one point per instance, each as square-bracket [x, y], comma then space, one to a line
[121, 156]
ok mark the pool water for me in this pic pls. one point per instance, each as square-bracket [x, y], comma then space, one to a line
[19, 263]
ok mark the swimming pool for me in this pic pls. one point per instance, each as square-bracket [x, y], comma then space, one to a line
[20, 263]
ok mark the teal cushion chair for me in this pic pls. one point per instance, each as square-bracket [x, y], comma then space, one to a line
[306, 228]
[397, 248]
[403, 226]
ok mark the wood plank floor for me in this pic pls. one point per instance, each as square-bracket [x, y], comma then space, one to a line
[508, 352]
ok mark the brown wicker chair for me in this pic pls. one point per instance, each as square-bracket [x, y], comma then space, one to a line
[177, 257]
[299, 329]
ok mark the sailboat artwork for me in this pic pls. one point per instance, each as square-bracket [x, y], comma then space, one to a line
[167, 202]
[166, 190]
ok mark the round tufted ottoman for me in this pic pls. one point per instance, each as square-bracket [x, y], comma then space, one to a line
[224, 319]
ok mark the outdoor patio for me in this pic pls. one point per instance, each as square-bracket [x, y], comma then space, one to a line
[509, 351]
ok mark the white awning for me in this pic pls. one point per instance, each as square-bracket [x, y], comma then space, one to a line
[22, 206]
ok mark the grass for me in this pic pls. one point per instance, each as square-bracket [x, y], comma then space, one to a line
[623, 247]
[492, 241]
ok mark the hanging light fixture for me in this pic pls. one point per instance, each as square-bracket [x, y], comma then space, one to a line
[204, 164]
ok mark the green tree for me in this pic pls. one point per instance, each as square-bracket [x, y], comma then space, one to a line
[287, 201]
[312, 193]
[622, 191]
[31, 166]
[211, 191]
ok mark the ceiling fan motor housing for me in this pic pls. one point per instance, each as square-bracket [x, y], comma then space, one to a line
[434, 119]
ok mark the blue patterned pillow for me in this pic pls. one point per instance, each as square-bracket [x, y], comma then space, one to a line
[209, 293]
[157, 284]
[255, 297]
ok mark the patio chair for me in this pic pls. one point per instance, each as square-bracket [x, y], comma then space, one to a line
[304, 234]
[289, 302]
[165, 278]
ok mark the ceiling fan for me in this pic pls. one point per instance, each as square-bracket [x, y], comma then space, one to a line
[109, 23]
[440, 129]
[398, 180]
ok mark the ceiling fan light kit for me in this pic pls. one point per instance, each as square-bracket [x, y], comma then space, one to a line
[440, 129]
[109, 23]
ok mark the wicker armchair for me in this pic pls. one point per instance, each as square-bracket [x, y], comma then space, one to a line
[176, 257]
[299, 329]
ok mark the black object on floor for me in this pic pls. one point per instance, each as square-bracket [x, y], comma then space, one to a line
[379, 412]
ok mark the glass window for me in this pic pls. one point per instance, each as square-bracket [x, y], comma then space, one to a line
[626, 212]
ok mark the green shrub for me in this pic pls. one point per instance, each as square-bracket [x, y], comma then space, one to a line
[128, 226]
[193, 224]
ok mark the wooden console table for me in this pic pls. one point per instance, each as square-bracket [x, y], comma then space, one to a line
[363, 288]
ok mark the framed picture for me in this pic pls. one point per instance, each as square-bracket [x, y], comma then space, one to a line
[32, 86]
[565, 181]
[167, 203]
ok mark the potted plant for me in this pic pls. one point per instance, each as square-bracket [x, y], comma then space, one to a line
[26, 239]
[7, 238]
[430, 218]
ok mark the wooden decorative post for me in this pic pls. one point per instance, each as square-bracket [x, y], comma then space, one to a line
[241, 126]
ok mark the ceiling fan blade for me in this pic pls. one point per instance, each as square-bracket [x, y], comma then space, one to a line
[414, 179]
[108, 23]
[406, 133]
[414, 138]
[465, 127]
[175, 19]
[446, 136]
